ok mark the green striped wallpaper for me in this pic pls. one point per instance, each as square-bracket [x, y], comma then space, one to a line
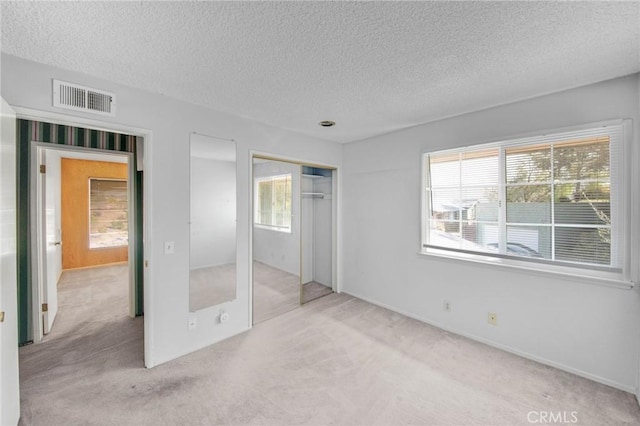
[76, 136]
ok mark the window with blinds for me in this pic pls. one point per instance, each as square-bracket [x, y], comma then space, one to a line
[108, 214]
[555, 199]
[273, 202]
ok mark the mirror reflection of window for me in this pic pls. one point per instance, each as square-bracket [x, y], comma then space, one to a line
[273, 202]
[212, 222]
[276, 238]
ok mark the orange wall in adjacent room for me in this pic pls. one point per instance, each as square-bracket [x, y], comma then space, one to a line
[75, 213]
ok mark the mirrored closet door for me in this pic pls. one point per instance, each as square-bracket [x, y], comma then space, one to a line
[276, 238]
[293, 235]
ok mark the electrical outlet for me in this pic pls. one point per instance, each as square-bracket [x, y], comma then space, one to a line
[493, 318]
[193, 322]
[446, 305]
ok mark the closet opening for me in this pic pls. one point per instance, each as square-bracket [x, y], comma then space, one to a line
[293, 235]
[316, 237]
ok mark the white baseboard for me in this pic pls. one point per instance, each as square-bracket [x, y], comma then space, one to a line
[195, 268]
[278, 267]
[505, 348]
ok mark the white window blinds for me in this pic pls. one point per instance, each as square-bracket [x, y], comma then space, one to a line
[108, 215]
[551, 199]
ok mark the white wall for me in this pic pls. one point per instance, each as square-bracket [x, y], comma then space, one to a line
[307, 230]
[275, 248]
[316, 230]
[585, 328]
[28, 84]
[213, 212]
[323, 232]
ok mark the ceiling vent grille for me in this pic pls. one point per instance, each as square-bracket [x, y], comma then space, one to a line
[85, 99]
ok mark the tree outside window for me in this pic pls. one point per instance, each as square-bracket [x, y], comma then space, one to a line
[546, 200]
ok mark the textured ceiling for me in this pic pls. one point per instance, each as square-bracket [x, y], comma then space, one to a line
[372, 67]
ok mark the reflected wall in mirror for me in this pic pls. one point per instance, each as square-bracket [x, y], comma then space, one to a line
[212, 277]
[276, 238]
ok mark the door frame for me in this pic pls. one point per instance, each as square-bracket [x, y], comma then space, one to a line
[42, 240]
[9, 364]
[38, 243]
[336, 284]
[144, 163]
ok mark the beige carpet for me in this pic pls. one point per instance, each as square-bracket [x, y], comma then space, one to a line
[275, 292]
[337, 360]
[314, 290]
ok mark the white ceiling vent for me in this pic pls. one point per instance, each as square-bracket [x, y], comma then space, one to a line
[85, 99]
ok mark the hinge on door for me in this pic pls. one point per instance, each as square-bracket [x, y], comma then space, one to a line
[45, 307]
[146, 263]
[1, 316]
[43, 168]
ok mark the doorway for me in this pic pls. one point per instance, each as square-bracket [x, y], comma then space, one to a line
[37, 141]
[293, 235]
[83, 203]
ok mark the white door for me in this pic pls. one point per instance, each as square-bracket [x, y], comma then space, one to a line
[9, 391]
[50, 253]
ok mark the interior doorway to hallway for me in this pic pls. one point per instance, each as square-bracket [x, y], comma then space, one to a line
[78, 341]
[41, 246]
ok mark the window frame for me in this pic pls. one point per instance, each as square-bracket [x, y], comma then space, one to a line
[617, 277]
[256, 203]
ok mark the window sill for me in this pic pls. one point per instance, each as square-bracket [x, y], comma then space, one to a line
[574, 274]
[108, 247]
[273, 228]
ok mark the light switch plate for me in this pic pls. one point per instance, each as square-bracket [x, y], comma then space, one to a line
[169, 247]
